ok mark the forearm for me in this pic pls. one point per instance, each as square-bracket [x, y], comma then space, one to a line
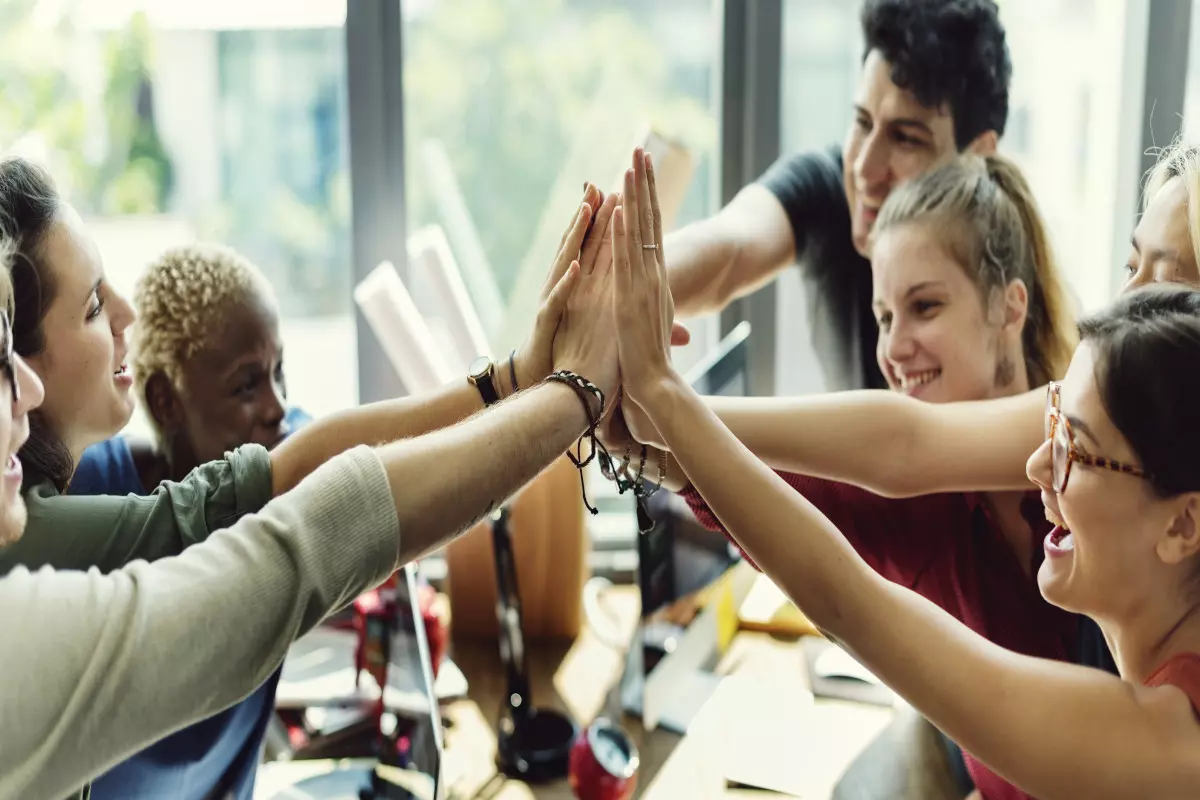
[1034, 703]
[446, 481]
[372, 424]
[702, 262]
[764, 515]
[888, 443]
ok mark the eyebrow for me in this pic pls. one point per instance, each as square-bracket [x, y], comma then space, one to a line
[1156, 254]
[904, 122]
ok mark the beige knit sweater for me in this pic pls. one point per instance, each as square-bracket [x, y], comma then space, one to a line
[95, 667]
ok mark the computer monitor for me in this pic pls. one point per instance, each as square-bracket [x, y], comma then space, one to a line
[677, 558]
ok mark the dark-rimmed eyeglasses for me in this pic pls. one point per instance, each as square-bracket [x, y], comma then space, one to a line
[1065, 451]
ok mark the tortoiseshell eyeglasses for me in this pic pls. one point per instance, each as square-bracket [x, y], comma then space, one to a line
[9, 363]
[1064, 451]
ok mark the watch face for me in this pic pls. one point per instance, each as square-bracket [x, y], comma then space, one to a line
[479, 367]
[612, 749]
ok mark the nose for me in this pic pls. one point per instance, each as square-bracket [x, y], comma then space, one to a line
[1038, 468]
[31, 389]
[900, 346]
[871, 166]
[274, 407]
[121, 315]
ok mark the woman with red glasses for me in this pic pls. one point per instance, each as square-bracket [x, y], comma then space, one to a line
[1120, 479]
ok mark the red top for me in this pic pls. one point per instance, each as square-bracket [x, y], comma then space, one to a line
[949, 549]
[1183, 672]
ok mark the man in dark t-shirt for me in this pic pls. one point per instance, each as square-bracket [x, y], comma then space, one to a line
[934, 82]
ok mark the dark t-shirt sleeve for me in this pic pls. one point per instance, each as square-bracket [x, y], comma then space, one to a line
[809, 187]
[894, 536]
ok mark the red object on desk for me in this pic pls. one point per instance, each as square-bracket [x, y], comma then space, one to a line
[603, 763]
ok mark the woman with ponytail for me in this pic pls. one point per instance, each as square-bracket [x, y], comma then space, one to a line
[970, 305]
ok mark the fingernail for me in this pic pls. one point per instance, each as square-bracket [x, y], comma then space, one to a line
[586, 184]
[649, 162]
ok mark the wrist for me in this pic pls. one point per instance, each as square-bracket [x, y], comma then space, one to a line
[524, 374]
[657, 396]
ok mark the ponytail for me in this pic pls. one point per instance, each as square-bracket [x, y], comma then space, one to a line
[1050, 335]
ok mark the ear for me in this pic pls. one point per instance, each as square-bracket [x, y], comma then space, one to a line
[162, 403]
[1182, 539]
[1015, 306]
[984, 144]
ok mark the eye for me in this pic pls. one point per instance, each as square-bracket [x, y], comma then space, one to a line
[1131, 269]
[247, 387]
[926, 307]
[863, 123]
[95, 305]
[884, 320]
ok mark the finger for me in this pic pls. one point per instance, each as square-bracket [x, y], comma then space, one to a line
[556, 302]
[598, 235]
[680, 335]
[569, 248]
[645, 218]
[589, 192]
[633, 233]
[655, 213]
[621, 273]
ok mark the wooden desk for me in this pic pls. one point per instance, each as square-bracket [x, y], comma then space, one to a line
[579, 677]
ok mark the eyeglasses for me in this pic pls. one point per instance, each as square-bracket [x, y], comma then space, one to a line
[9, 364]
[1063, 449]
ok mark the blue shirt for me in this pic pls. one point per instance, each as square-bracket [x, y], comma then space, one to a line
[216, 757]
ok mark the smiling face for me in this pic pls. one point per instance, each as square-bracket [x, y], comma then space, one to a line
[1161, 246]
[1106, 554]
[891, 139]
[88, 387]
[937, 341]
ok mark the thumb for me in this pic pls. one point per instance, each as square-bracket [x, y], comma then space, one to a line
[556, 301]
[680, 335]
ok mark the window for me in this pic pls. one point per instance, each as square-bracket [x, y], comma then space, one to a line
[508, 111]
[822, 48]
[1067, 106]
[165, 122]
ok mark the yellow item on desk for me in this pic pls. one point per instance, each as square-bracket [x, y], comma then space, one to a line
[768, 610]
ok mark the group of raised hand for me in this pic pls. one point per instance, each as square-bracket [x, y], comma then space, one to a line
[606, 312]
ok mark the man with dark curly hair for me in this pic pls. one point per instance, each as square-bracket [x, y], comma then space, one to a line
[934, 82]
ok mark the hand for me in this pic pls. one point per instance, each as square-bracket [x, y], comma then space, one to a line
[642, 298]
[585, 343]
[584, 239]
[640, 427]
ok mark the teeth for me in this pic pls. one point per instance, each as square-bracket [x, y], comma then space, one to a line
[918, 378]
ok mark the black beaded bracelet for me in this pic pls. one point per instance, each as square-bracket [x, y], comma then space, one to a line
[584, 390]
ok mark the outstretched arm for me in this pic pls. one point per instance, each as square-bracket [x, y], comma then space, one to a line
[724, 257]
[884, 442]
[1054, 729]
